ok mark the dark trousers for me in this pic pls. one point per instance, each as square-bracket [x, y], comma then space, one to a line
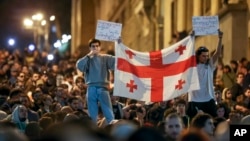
[207, 107]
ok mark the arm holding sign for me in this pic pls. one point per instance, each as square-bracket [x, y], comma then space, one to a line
[218, 49]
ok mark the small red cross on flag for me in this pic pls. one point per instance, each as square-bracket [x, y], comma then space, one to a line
[157, 76]
[131, 86]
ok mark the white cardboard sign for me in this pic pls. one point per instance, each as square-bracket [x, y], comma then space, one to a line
[205, 25]
[108, 31]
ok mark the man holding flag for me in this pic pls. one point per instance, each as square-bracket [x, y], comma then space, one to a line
[203, 100]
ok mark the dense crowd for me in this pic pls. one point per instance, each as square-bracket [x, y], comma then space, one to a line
[44, 100]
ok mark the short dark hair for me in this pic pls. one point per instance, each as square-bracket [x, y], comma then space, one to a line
[199, 51]
[93, 40]
[199, 120]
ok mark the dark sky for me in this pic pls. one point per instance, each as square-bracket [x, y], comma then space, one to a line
[12, 13]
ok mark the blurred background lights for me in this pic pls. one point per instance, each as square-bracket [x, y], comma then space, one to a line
[50, 57]
[11, 42]
[52, 18]
[57, 44]
[28, 22]
[31, 47]
[43, 23]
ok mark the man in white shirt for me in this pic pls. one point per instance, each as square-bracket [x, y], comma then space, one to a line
[204, 99]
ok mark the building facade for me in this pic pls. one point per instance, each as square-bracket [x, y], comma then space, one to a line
[150, 25]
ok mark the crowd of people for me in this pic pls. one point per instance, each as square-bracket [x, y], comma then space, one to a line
[72, 99]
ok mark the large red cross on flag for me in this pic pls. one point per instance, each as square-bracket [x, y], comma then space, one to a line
[156, 76]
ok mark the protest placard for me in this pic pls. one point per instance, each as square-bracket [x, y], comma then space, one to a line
[205, 25]
[108, 31]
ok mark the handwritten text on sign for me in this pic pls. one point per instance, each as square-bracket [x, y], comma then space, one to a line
[108, 31]
[205, 25]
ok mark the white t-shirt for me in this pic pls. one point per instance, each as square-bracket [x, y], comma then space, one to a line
[206, 92]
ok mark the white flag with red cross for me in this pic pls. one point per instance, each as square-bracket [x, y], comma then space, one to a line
[158, 75]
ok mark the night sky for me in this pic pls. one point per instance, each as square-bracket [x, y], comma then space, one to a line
[12, 13]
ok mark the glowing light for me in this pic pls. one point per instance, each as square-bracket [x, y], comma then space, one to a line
[52, 18]
[43, 23]
[28, 22]
[37, 17]
[50, 57]
[57, 44]
[31, 47]
[11, 42]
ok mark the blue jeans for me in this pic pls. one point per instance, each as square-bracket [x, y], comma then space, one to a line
[101, 95]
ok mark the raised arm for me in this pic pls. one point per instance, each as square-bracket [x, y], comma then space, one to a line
[219, 46]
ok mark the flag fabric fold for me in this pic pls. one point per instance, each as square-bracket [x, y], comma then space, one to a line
[158, 75]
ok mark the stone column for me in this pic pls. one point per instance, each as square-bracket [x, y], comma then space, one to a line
[215, 5]
[197, 7]
[181, 15]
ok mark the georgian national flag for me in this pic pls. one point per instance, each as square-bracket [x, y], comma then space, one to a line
[158, 75]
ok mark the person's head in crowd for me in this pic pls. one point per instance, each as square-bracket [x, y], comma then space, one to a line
[13, 103]
[80, 82]
[60, 93]
[204, 122]
[226, 94]
[173, 126]
[14, 71]
[70, 117]
[75, 130]
[36, 96]
[227, 69]
[122, 129]
[33, 131]
[222, 110]
[73, 103]
[44, 77]
[47, 100]
[81, 102]
[15, 93]
[24, 100]
[35, 76]
[19, 114]
[245, 120]
[180, 105]
[56, 106]
[239, 77]
[67, 109]
[246, 92]
[76, 92]
[243, 62]
[55, 69]
[146, 134]
[131, 101]
[45, 122]
[193, 134]
[235, 117]
[26, 70]
[52, 115]
[20, 117]
[234, 65]
[218, 95]
[22, 77]
[4, 93]
[82, 115]
[222, 132]
[218, 120]
[163, 104]
[69, 78]
[10, 134]
[65, 88]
